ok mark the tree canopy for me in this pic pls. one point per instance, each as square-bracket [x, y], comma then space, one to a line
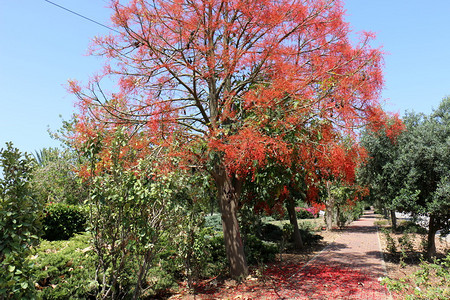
[197, 82]
[411, 173]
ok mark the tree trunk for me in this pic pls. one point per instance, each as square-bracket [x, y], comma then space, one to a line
[229, 189]
[431, 245]
[393, 220]
[290, 205]
[329, 208]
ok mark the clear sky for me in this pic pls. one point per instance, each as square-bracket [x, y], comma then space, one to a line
[42, 46]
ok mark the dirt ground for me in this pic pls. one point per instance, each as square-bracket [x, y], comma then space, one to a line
[398, 268]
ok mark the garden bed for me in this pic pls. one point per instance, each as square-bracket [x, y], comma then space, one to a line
[409, 272]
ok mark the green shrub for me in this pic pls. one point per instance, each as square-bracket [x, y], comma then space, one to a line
[309, 238]
[62, 221]
[357, 211]
[391, 246]
[159, 283]
[271, 232]
[218, 256]
[20, 214]
[303, 213]
[65, 269]
[430, 281]
[259, 251]
[256, 251]
[214, 221]
[410, 227]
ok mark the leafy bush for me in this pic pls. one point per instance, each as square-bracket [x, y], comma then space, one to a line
[54, 179]
[309, 238]
[271, 232]
[406, 247]
[410, 227]
[303, 213]
[65, 269]
[62, 221]
[214, 221]
[259, 251]
[256, 251]
[20, 214]
[391, 246]
[357, 211]
[159, 281]
[274, 233]
[429, 282]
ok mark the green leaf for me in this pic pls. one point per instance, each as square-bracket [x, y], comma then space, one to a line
[11, 268]
[24, 285]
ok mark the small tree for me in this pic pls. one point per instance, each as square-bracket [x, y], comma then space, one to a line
[20, 214]
[129, 213]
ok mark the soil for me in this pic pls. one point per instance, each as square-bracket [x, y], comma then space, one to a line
[398, 268]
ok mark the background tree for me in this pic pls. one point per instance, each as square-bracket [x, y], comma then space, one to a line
[198, 78]
[54, 178]
[378, 171]
[409, 171]
[424, 162]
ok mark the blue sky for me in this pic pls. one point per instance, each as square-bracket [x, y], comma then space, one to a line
[42, 46]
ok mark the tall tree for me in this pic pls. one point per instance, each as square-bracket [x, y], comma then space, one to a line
[409, 169]
[424, 162]
[198, 78]
[379, 173]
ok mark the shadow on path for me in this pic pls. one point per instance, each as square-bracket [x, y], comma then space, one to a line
[349, 268]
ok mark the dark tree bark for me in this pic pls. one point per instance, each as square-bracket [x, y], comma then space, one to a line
[329, 208]
[290, 205]
[432, 229]
[229, 189]
[393, 220]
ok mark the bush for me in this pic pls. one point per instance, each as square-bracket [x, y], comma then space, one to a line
[214, 221]
[20, 214]
[159, 282]
[391, 246]
[309, 238]
[410, 227]
[259, 251]
[270, 232]
[218, 256]
[430, 281]
[65, 269]
[256, 251]
[62, 221]
[303, 213]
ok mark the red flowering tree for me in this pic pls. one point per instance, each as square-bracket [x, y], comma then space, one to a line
[200, 79]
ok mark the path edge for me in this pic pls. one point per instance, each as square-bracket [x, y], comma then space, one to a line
[383, 261]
